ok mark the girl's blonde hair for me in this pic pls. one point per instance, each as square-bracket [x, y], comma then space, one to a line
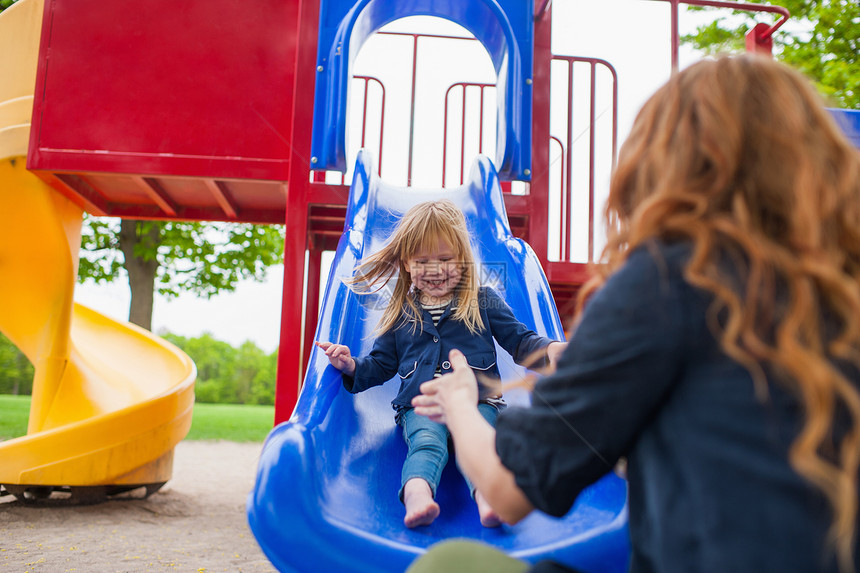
[739, 157]
[421, 229]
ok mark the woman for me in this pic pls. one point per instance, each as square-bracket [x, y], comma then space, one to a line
[718, 347]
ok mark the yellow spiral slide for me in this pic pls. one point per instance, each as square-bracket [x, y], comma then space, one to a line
[110, 400]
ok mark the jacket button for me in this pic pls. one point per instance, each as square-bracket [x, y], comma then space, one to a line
[435, 339]
[446, 365]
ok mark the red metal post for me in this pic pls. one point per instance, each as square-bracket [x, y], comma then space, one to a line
[381, 126]
[312, 300]
[481, 123]
[567, 192]
[412, 107]
[759, 40]
[364, 115]
[290, 363]
[445, 140]
[676, 41]
[538, 220]
[563, 192]
[592, 114]
[463, 136]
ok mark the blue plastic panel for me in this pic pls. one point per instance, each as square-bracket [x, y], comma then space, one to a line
[849, 121]
[504, 27]
[326, 492]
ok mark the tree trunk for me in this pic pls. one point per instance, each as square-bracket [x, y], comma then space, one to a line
[141, 273]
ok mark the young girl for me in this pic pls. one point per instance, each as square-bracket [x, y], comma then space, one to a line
[437, 305]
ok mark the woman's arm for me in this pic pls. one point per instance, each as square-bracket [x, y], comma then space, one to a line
[453, 400]
[554, 352]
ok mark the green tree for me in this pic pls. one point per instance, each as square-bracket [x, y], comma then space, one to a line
[215, 362]
[244, 375]
[822, 40]
[16, 372]
[170, 257]
[248, 361]
[263, 384]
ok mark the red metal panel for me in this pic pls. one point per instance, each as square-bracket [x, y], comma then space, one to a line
[192, 88]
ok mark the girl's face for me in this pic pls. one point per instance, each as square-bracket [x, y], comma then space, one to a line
[435, 272]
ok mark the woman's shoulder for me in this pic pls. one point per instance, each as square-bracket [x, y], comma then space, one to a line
[651, 269]
[658, 255]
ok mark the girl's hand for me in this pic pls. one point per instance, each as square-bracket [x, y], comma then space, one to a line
[446, 396]
[554, 352]
[339, 356]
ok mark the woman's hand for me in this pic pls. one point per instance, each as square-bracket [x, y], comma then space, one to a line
[453, 400]
[339, 356]
[554, 352]
[441, 397]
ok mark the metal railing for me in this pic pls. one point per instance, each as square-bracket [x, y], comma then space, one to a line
[566, 196]
[464, 86]
[568, 163]
[323, 176]
[766, 34]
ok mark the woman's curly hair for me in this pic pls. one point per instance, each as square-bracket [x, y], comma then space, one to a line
[739, 157]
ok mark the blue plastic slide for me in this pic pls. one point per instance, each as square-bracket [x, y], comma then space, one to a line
[326, 492]
[849, 121]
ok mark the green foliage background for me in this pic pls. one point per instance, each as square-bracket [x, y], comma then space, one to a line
[822, 40]
[16, 372]
[201, 258]
[228, 375]
[225, 375]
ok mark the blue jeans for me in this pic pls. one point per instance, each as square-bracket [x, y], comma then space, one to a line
[427, 443]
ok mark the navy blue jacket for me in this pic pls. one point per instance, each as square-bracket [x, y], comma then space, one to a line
[710, 484]
[414, 356]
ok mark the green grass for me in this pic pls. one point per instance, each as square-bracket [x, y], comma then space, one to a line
[235, 423]
[14, 412]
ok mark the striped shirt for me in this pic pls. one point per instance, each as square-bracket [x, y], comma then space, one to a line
[436, 311]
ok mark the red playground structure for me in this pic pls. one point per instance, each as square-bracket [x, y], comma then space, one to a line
[200, 111]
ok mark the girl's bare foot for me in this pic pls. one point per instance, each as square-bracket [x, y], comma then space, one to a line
[488, 516]
[420, 507]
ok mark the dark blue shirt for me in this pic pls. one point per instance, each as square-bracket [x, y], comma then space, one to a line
[710, 485]
[415, 354]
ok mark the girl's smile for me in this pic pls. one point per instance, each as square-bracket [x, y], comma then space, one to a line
[436, 273]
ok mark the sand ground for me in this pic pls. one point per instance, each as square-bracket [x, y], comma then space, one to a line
[195, 523]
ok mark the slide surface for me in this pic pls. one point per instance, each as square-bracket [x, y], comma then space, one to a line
[110, 400]
[849, 121]
[326, 492]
